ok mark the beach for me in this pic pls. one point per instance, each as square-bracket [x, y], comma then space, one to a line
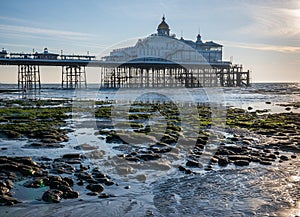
[126, 152]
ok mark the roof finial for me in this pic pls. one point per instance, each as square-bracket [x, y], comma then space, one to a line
[163, 18]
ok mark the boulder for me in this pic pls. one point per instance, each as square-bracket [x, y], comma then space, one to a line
[95, 188]
[52, 196]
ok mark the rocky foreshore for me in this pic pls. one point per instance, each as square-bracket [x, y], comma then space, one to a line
[57, 177]
[250, 137]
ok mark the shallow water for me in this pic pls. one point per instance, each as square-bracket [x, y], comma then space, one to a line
[255, 96]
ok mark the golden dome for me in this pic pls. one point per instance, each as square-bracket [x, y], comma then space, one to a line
[163, 24]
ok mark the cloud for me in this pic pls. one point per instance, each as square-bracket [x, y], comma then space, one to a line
[268, 21]
[17, 20]
[263, 47]
[26, 30]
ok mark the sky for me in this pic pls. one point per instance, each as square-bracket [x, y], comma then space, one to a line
[264, 36]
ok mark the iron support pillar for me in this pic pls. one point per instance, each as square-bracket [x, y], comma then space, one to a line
[73, 77]
[29, 77]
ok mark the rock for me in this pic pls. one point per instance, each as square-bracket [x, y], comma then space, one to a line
[213, 160]
[70, 194]
[54, 178]
[193, 163]
[188, 171]
[8, 201]
[69, 180]
[52, 196]
[95, 154]
[9, 167]
[73, 161]
[54, 145]
[181, 168]
[85, 147]
[2, 184]
[68, 156]
[255, 159]
[4, 190]
[49, 140]
[62, 186]
[290, 148]
[247, 142]
[35, 183]
[239, 157]
[208, 168]
[27, 170]
[62, 167]
[98, 174]
[222, 161]
[147, 157]
[268, 102]
[263, 162]
[168, 139]
[236, 149]
[284, 158]
[80, 183]
[95, 188]
[134, 159]
[114, 138]
[161, 150]
[293, 156]
[106, 195]
[92, 193]
[84, 175]
[9, 183]
[43, 145]
[109, 183]
[250, 108]
[241, 163]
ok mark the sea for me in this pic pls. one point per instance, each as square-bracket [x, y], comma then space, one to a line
[256, 96]
[160, 189]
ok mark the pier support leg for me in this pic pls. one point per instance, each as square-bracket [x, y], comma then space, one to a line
[73, 77]
[29, 77]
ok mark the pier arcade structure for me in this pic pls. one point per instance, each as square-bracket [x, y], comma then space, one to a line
[159, 60]
[162, 60]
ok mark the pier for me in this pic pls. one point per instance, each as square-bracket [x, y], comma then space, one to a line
[160, 60]
[132, 74]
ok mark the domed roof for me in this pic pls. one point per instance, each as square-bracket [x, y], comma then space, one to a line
[163, 24]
